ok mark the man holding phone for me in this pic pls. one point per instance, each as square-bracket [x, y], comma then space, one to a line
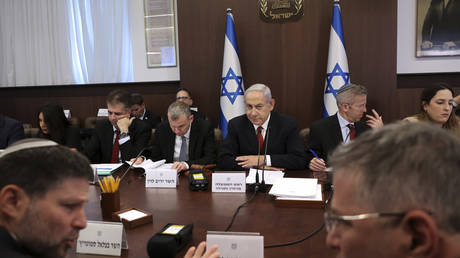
[121, 137]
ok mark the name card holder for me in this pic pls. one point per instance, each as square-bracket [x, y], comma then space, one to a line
[133, 217]
[237, 244]
[161, 178]
[229, 182]
[105, 238]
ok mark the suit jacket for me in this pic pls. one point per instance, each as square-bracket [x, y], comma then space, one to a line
[284, 144]
[202, 146]
[326, 135]
[99, 148]
[151, 119]
[442, 24]
[10, 131]
[10, 248]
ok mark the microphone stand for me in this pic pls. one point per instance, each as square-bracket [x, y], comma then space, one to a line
[134, 161]
[255, 187]
[263, 187]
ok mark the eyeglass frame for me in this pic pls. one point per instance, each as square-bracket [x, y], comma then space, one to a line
[183, 97]
[331, 220]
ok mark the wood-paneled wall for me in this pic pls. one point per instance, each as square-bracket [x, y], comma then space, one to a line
[291, 58]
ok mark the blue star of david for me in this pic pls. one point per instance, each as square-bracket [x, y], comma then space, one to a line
[337, 71]
[239, 90]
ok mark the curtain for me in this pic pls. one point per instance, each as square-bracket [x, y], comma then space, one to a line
[55, 42]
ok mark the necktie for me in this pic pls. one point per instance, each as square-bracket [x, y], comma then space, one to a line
[115, 148]
[352, 131]
[183, 149]
[260, 138]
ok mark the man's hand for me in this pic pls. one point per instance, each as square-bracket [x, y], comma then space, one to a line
[138, 161]
[250, 161]
[179, 166]
[374, 121]
[317, 164]
[124, 123]
[210, 253]
[426, 44]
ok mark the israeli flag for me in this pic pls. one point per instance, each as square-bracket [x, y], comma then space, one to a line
[232, 88]
[337, 64]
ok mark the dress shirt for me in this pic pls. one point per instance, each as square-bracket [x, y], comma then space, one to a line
[178, 144]
[343, 126]
[268, 161]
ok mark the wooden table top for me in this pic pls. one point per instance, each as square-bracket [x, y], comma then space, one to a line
[213, 212]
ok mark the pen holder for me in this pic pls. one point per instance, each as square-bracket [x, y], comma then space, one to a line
[110, 202]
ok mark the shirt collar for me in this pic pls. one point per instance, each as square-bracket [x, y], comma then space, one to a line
[265, 124]
[342, 122]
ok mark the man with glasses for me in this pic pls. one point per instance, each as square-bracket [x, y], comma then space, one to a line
[326, 134]
[185, 96]
[396, 194]
[261, 130]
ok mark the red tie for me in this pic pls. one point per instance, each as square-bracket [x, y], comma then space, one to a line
[260, 138]
[115, 148]
[352, 131]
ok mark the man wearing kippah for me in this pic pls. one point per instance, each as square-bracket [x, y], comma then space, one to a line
[327, 133]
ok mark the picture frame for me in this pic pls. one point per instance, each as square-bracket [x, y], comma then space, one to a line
[437, 28]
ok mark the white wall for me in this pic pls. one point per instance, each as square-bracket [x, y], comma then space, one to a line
[406, 60]
[141, 72]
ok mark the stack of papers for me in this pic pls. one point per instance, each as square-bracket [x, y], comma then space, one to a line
[297, 189]
[270, 176]
[105, 169]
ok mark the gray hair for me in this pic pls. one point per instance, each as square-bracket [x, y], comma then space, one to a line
[405, 166]
[347, 93]
[177, 108]
[262, 88]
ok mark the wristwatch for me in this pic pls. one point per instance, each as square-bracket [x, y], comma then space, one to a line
[123, 135]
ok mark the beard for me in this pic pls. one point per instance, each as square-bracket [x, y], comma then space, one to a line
[39, 237]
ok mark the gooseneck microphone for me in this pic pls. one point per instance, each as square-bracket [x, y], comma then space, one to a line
[134, 161]
[255, 187]
[263, 186]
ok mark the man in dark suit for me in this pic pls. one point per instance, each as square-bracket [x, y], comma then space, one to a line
[139, 110]
[43, 192]
[261, 129]
[442, 24]
[119, 138]
[184, 140]
[185, 96]
[327, 133]
[10, 131]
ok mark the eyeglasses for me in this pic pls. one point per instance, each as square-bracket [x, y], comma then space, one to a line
[332, 220]
[180, 98]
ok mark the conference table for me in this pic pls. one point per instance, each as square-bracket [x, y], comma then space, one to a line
[209, 211]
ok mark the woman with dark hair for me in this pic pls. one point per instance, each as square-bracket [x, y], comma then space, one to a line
[55, 126]
[437, 105]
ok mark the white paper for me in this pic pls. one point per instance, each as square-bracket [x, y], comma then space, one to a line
[149, 164]
[270, 176]
[295, 187]
[131, 215]
[317, 197]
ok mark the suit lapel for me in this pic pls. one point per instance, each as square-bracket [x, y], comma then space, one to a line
[193, 140]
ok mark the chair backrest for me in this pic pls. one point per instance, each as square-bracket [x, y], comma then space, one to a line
[90, 122]
[305, 135]
[218, 137]
[152, 138]
[31, 132]
[74, 122]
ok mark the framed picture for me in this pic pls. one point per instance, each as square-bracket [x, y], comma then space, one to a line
[438, 28]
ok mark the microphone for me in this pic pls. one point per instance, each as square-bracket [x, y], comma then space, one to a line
[255, 187]
[263, 186]
[134, 161]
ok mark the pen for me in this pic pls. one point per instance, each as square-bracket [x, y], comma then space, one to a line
[314, 153]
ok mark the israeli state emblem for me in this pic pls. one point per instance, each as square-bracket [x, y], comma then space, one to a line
[279, 11]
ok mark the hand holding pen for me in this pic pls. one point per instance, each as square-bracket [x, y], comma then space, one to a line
[316, 163]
